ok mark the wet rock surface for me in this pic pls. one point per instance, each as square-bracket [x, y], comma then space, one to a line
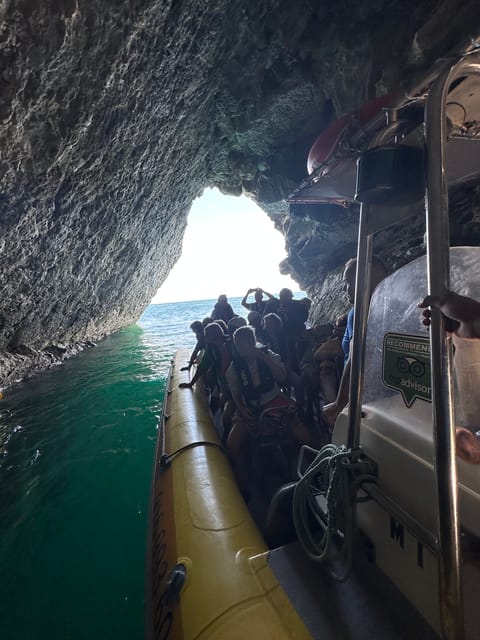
[114, 115]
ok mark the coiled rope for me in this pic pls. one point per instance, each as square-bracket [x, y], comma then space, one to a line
[324, 502]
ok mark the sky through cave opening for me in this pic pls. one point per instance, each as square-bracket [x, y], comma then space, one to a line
[230, 245]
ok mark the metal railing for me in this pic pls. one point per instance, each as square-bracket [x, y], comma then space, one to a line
[438, 242]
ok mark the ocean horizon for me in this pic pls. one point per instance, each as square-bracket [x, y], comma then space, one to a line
[296, 294]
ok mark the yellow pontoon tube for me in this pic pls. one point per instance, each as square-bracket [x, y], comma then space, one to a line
[207, 565]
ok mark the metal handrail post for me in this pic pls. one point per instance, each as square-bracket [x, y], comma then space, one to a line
[361, 304]
[438, 236]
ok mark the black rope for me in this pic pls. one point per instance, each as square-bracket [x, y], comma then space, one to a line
[166, 458]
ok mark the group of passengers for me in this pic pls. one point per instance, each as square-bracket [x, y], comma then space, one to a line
[273, 366]
[268, 369]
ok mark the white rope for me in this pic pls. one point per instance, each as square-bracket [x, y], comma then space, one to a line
[334, 475]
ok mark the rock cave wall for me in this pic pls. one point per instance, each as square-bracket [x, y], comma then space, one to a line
[116, 114]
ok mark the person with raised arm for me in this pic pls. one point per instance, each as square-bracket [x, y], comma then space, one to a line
[259, 304]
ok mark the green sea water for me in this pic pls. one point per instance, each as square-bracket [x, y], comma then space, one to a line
[76, 455]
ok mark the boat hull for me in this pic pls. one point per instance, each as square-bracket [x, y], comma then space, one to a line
[201, 526]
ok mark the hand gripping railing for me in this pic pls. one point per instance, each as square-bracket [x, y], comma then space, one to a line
[438, 241]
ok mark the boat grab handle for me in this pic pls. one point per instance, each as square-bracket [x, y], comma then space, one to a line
[166, 458]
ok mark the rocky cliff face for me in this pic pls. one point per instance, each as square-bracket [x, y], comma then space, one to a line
[115, 114]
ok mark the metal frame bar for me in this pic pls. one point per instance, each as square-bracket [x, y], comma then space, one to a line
[437, 220]
[361, 305]
[438, 243]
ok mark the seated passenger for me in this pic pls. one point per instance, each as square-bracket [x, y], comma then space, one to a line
[274, 335]
[235, 323]
[197, 328]
[255, 320]
[259, 304]
[463, 322]
[215, 361]
[333, 343]
[294, 314]
[341, 325]
[254, 379]
[223, 325]
[377, 274]
[319, 333]
[285, 296]
[329, 379]
[280, 304]
[319, 376]
[275, 339]
[222, 309]
[254, 375]
[331, 351]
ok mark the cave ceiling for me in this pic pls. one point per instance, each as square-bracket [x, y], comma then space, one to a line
[115, 115]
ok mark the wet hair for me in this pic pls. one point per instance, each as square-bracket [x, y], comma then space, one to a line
[254, 319]
[235, 323]
[285, 293]
[272, 317]
[196, 326]
[213, 331]
[323, 331]
[246, 334]
[222, 324]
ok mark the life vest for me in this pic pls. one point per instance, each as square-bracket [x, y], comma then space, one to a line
[250, 392]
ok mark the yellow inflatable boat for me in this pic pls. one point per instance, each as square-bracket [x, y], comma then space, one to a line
[210, 574]
[414, 516]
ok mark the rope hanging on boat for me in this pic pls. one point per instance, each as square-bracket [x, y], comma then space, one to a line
[333, 477]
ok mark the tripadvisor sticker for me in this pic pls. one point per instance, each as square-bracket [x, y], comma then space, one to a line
[406, 366]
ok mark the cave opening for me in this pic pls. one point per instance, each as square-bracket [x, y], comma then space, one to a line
[230, 245]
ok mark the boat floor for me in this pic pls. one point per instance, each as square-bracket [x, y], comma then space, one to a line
[364, 607]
